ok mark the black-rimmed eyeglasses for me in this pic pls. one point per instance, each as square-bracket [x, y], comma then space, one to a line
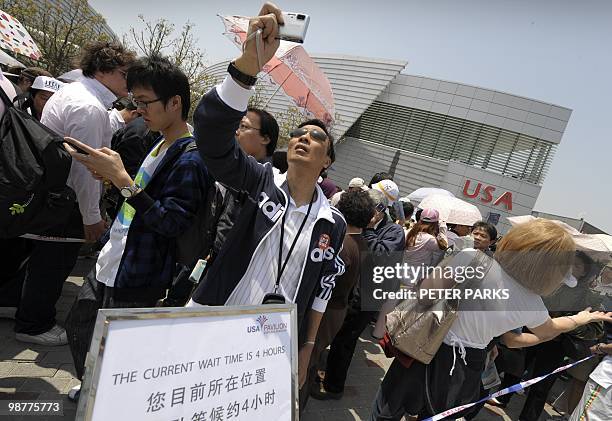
[141, 105]
[244, 127]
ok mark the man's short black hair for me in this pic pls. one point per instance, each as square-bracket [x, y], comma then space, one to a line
[31, 73]
[104, 57]
[417, 214]
[380, 176]
[357, 207]
[164, 78]
[488, 227]
[268, 128]
[331, 153]
[279, 161]
[408, 209]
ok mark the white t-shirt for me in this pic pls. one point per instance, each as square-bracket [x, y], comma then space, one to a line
[602, 375]
[109, 259]
[476, 328]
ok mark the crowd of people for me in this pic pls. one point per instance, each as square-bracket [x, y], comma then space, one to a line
[157, 195]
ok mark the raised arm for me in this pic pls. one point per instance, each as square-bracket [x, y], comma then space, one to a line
[219, 113]
[554, 327]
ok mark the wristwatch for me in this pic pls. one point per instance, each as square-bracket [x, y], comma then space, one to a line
[239, 76]
[130, 191]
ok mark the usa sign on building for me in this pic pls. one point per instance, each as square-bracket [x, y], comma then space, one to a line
[491, 193]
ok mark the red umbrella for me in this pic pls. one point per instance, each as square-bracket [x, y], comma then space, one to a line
[293, 70]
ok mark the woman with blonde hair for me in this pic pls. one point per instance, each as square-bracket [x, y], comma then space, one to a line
[531, 261]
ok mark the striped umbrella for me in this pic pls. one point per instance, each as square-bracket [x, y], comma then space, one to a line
[14, 37]
[293, 70]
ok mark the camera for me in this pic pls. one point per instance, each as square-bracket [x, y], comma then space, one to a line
[295, 27]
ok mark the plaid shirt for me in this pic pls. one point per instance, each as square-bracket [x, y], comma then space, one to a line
[164, 210]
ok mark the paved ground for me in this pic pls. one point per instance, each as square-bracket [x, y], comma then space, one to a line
[39, 373]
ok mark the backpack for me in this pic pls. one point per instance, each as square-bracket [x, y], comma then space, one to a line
[196, 242]
[34, 167]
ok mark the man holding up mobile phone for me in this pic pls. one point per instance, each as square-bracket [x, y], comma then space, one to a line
[285, 244]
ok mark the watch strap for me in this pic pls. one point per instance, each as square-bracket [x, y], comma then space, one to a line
[240, 76]
[133, 190]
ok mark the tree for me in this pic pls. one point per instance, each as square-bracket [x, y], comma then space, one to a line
[287, 121]
[58, 28]
[158, 37]
[258, 99]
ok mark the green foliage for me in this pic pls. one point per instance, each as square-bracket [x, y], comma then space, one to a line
[161, 37]
[287, 121]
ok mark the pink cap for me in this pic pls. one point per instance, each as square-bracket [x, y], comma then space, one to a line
[429, 215]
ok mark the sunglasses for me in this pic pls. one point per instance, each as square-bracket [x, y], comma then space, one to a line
[316, 134]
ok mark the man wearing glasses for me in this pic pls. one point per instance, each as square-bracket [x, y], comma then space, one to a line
[285, 245]
[79, 110]
[257, 136]
[137, 263]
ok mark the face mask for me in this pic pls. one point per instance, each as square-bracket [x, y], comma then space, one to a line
[570, 280]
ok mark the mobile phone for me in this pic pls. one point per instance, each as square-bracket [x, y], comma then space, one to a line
[76, 148]
[295, 27]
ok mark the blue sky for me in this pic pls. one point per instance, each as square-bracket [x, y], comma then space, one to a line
[556, 51]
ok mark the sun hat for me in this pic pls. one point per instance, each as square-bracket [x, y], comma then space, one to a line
[429, 215]
[46, 83]
[357, 183]
[389, 189]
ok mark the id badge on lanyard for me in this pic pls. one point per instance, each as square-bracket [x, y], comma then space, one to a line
[275, 297]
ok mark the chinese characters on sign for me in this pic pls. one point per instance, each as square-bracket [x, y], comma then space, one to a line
[158, 369]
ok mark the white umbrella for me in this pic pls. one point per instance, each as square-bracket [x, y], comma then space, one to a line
[419, 194]
[452, 210]
[72, 76]
[517, 220]
[7, 60]
[597, 246]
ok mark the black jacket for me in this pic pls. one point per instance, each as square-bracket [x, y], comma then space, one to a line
[387, 237]
[215, 124]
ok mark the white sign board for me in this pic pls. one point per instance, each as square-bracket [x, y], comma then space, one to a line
[184, 364]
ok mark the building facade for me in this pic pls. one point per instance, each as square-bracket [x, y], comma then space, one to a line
[68, 9]
[487, 147]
